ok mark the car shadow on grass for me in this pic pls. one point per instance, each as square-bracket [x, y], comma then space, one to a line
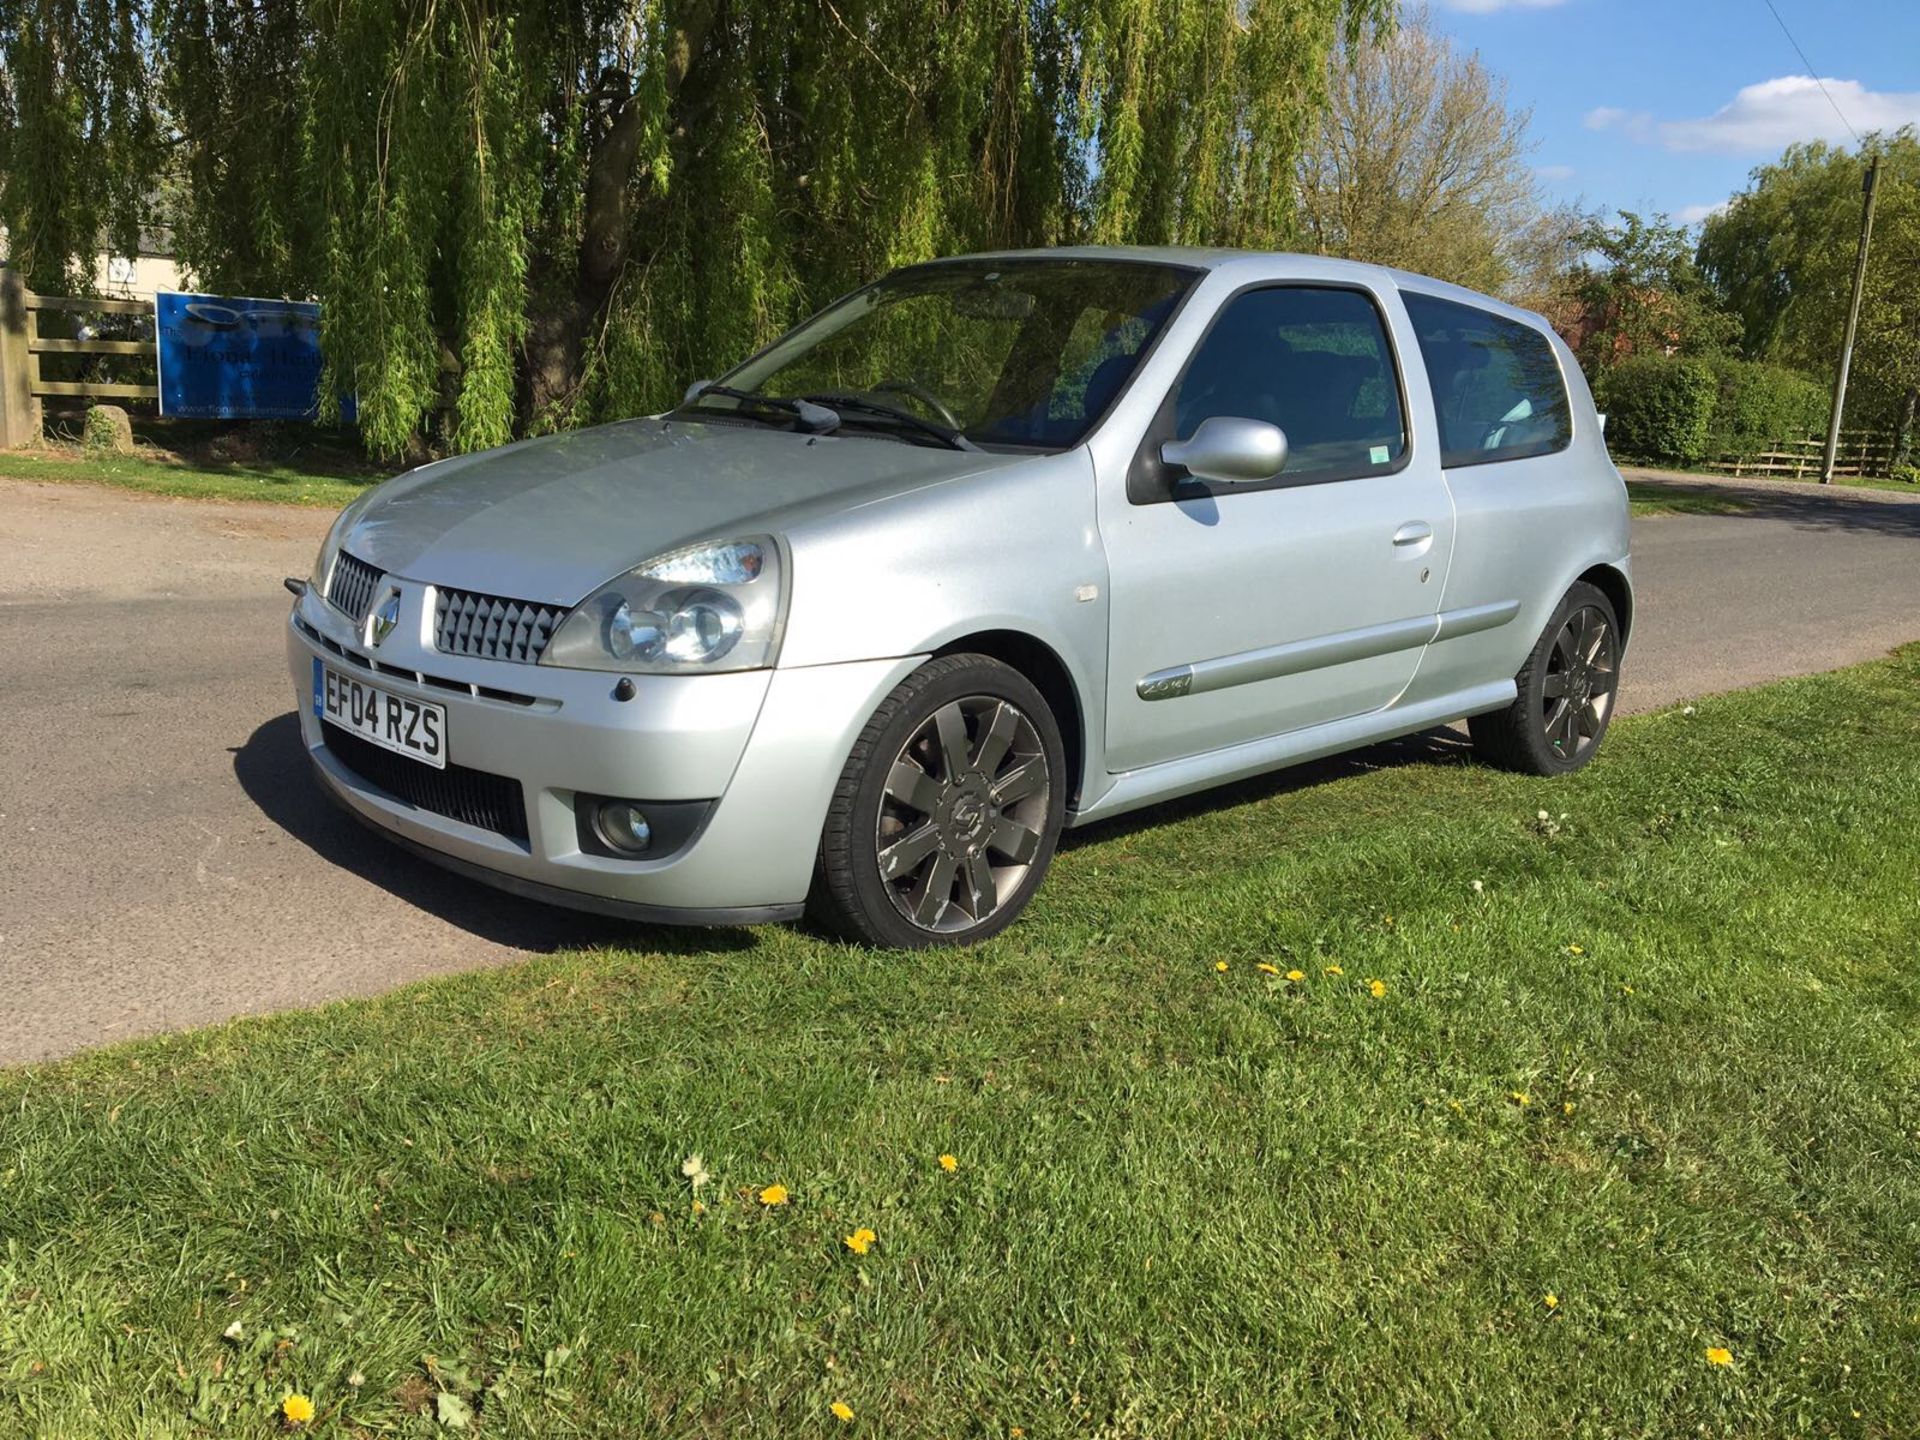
[1444, 745]
[274, 771]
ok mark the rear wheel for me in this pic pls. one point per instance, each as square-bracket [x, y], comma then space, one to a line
[947, 814]
[1567, 691]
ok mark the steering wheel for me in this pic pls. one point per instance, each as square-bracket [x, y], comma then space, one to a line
[925, 396]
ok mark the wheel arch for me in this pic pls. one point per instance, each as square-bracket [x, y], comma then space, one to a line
[1612, 582]
[1042, 665]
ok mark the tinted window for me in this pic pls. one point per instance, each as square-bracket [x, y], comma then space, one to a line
[1017, 352]
[1496, 383]
[1314, 362]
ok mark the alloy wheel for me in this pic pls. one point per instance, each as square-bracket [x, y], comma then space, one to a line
[962, 814]
[1578, 690]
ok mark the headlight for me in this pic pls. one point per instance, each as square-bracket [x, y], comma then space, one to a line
[694, 611]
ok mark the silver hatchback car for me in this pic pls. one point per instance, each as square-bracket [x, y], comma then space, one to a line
[991, 547]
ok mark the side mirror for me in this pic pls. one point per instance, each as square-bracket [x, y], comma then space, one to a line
[1230, 451]
[695, 391]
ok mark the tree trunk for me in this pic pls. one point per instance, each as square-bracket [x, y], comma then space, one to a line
[558, 330]
[1903, 437]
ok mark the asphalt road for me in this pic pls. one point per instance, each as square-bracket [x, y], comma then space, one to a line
[165, 859]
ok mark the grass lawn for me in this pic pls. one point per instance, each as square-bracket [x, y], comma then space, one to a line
[286, 484]
[1650, 497]
[1641, 1085]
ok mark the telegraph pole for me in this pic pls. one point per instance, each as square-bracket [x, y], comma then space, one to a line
[1871, 185]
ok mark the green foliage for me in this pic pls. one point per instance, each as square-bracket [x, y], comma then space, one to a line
[1640, 294]
[78, 136]
[99, 431]
[1419, 161]
[1755, 405]
[527, 216]
[1783, 255]
[1659, 409]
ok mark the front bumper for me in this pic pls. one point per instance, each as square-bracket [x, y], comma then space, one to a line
[766, 747]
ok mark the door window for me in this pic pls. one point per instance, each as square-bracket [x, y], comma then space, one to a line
[1497, 387]
[1317, 363]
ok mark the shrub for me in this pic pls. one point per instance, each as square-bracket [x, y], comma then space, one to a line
[1660, 409]
[1756, 405]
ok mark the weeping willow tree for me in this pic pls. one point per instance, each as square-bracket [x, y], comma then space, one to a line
[522, 217]
[79, 142]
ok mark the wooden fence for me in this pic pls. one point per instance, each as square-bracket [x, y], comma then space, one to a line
[1861, 453]
[22, 384]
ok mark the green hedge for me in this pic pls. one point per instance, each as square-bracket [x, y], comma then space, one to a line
[1660, 409]
[1757, 405]
[1683, 412]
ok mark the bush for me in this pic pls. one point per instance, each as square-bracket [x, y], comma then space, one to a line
[1660, 410]
[1756, 405]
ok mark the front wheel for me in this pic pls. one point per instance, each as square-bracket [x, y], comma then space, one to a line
[947, 813]
[1567, 691]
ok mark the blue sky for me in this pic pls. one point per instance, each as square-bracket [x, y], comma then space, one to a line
[1639, 105]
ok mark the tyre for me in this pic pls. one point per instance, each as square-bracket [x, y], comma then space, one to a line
[1567, 691]
[948, 811]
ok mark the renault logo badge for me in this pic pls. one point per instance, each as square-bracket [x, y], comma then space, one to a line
[385, 616]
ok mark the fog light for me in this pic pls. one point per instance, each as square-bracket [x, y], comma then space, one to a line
[623, 825]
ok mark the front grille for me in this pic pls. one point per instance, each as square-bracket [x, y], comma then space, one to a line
[350, 587]
[491, 802]
[492, 627]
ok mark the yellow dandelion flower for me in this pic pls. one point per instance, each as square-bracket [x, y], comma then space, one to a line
[297, 1408]
[842, 1411]
[1566, 1107]
[1335, 970]
[1626, 989]
[774, 1195]
[1265, 969]
[1550, 1300]
[1221, 966]
[1296, 976]
[861, 1240]
[1717, 1355]
[1576, 949]
[1520, 1097]
[1377, 988]
[949, 1164]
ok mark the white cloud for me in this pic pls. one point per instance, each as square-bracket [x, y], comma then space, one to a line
[1554, 172]
[1488, 7]
[1694, 214]
[1769, 116]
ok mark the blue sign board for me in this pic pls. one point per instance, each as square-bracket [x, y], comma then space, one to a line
[228, 359]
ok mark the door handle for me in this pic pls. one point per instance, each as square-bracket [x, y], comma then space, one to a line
[1412, 533]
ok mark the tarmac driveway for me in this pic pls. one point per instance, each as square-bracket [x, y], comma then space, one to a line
[165, 859]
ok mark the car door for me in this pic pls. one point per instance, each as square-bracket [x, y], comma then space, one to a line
[1242, 611]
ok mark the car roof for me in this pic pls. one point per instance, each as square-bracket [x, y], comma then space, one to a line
[1280, 262]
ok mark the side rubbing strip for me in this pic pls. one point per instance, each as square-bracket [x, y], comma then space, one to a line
[1296, 657]
[1475, 618]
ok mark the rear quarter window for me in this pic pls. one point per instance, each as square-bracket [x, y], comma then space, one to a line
[1497, 388]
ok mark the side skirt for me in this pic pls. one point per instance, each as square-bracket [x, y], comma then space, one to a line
[1171, 779]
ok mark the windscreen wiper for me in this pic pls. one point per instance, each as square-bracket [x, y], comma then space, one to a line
[813, 418]
[951, 438]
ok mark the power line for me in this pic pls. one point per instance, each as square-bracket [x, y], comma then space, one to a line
[1813, 72]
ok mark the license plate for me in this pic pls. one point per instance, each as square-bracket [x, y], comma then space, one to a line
[416, 728]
